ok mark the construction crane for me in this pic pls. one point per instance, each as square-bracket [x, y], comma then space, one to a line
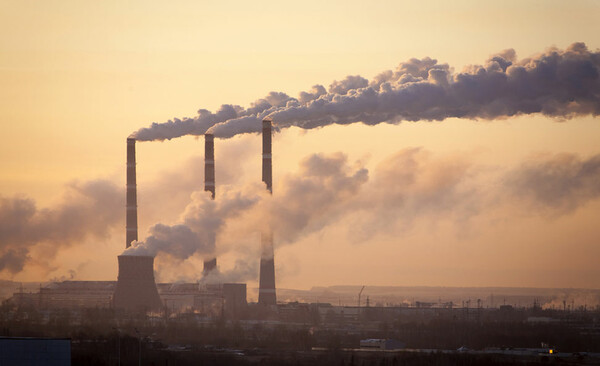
[360, 293]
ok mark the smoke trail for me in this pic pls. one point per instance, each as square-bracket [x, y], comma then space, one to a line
[556, 83]
[206, 119]
[89, 210]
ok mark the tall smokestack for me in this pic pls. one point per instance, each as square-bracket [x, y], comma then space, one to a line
[131, 223]
[136, 288]
[209, 185]
[266, 289]
[267, 169]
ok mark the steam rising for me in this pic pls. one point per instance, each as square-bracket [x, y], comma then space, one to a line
[556, 83]
[202, 219]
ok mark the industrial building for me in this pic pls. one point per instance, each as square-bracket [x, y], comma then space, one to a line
[227, 299]
[136, 288]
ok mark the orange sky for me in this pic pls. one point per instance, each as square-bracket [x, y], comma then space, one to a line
[78, 77]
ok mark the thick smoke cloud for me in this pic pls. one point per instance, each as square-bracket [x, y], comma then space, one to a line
[187, 126]
[349, 83]
[203, 218]
[88, 209]
[556, 83]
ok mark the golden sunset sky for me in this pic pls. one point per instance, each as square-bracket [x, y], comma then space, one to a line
[78, 77]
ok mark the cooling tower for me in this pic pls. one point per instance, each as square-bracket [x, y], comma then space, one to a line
[209, 185]
[136, 289]
[266, 289]
[131, 220]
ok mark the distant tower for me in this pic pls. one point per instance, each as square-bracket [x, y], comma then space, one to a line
[266, 290]
[209, 186]
[131, 216]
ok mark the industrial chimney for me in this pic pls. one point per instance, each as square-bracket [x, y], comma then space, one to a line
[136, 289]
[209, 186]
[131, 223]
[266, 289]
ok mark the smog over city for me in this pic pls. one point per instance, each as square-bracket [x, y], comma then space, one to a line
[343, 183]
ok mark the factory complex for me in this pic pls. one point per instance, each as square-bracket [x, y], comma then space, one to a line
[136, 290]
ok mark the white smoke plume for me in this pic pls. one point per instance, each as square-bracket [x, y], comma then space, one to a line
[202, 219]
[556, 83]
[89, 209]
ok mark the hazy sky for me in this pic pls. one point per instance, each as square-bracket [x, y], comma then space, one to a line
[511, 202]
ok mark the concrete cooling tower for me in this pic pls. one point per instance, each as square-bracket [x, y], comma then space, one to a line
[136, 288]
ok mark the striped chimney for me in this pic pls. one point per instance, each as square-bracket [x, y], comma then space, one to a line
[266, 288]
[209, 185]
[131, 211]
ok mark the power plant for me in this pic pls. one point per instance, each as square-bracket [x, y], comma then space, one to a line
[136, 288]
[206, 313]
